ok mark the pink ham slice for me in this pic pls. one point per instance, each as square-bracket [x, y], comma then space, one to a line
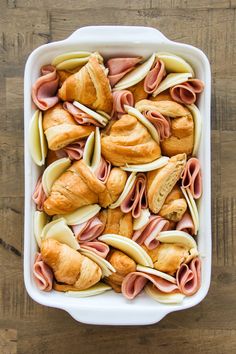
[88, 230]
[134, 283]
[192, 177]
[121, 98]
[39, 196]
[44, 90]
[161, 123]
[73, 151]
[119, 67]
[186, 224]
[42, 273]
[100, 248]
[136, 198]
[79, 116]
[103, 170]
[189, 277]
[154, 77]
[186, 92]
[148, 233]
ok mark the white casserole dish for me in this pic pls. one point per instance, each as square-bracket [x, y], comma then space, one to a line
[111, 308]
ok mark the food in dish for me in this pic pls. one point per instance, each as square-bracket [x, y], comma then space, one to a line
[117, 200]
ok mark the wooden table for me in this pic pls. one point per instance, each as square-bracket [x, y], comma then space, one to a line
[27, 327]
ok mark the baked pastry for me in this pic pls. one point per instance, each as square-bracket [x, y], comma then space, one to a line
[138, 91]
[61, 129]
[76, 187]
[114, 187]
[175, 205]
[160, 182]
[90, 86]
[69, 266]
[129, 141]
[123, 265]
[170, 256]
[116, 222]
[182, 125]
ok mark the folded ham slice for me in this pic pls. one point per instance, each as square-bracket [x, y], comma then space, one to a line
[121, 98]
[154, 77]
[100, 248]
[186, 92]
[136, 198]
[134, 283]
[42, 273]
[73, 151]
[161, 123]
[148, 233]
[79, 116]
[192, 177]
[119, 67]
[44, 90]
[89, 230]
[186, 224]
[39, 195]
[103, 171]
[188, 277]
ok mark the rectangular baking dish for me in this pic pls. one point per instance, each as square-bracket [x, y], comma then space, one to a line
[111, 308]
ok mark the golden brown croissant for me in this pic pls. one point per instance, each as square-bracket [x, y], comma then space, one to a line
[69, 266]
[160, 182]
[123, 265]
[114, 187]
[129, 141]
[76, 187]
[60, 128]
[175, 205]
[117, 222]
[90, 86]
[182, 125]
[170, 256]
[138, 91]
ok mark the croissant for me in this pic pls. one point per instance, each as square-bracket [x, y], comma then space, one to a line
[116, 222]
[182, 125]
[76, 187]
[69, 266]
[160, 182]
[129, 141]
[90, 86]
[123, 265]
[60, 128]
[138, 91]
[175, 205]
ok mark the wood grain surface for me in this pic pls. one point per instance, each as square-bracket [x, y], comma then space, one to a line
[25, 326]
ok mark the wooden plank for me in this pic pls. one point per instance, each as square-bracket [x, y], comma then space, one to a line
[8, 341]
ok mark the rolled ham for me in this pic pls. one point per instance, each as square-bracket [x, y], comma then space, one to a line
[186, 92]
[119, 67]
[100, 248]
[103, 171]
[39, 195]
[134, 283]
[42, 273]
[73, 151]
[89, 230]
[188, 277]
[44, 90]
[121, 98]
[154, 77]
[147, 235]
[136, 198]
[186, 224]
[79, 116]
[161, 123]
[192, 177]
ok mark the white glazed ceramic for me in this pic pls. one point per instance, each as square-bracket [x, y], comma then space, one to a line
[111, 308]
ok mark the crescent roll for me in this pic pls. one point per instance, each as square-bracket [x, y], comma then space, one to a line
[130, 142]
[117, 222]
[60, 128]
[160, 182]
[182, 125]
[90, 86]
[175, 205]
